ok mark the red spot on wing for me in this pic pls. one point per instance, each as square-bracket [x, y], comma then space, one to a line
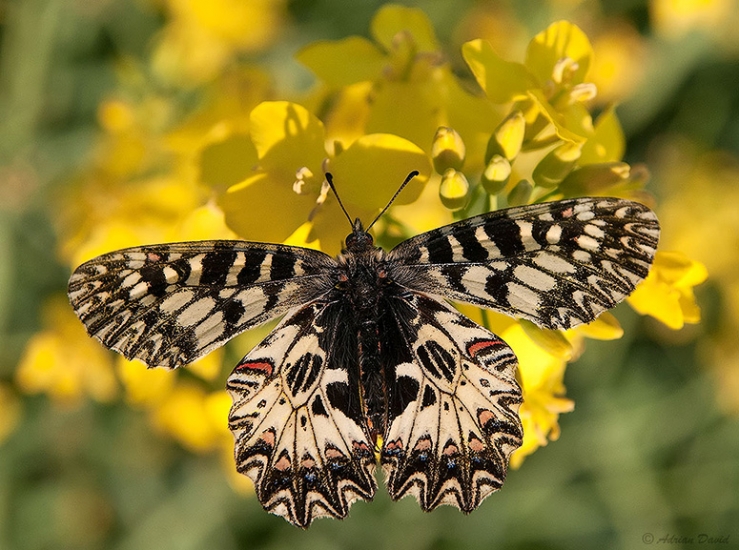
[476, 347]
[260, 365]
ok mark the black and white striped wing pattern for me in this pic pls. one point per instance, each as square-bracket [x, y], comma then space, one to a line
[453, 409]
[301, 432]
[369, 357]
[170, 304]
[558, 264]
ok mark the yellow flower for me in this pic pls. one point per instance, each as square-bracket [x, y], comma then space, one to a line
[413, 90]
[195, 417]
[143, 386]
[619, 63]
[675, 18]
[667, 292]
[64, 362]
[551, 81]
[291, 147]
[541, 369]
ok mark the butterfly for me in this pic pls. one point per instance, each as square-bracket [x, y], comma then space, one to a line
[370, 362]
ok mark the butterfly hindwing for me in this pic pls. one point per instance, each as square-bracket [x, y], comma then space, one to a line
[300, 431]
[557, 264]
[169, 304]
[453, 423]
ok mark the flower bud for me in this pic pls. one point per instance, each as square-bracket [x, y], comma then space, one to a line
[496, 174]
[555, 166]
[447, 150]
[508, 137]
[520, 194]
[594, 179]
[454, 189]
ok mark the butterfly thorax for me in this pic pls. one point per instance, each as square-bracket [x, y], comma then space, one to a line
[363, 280]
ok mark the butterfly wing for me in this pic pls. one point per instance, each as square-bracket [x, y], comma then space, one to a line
[557, 264]
[169, 304]
[453, 406]
[301, 432]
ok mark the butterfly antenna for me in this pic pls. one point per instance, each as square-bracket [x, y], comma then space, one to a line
[407, 180]
[330, 181]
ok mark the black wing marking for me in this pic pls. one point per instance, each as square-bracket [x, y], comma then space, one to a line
[301, 432]
[169, 304]
[557, 264]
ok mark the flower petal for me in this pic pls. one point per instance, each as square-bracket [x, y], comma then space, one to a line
[667, 292]
[559, 41]
[573, 123]
[287, 137]
[228, 161]
[607, 143]
[262, 209]
[376, 165]
[503, 81]
[391, 19]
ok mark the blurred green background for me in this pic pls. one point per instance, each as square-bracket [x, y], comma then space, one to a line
[652, 448]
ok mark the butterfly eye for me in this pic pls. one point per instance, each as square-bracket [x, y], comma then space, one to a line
[343, 280]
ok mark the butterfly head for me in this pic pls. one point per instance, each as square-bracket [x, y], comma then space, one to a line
[359, 240]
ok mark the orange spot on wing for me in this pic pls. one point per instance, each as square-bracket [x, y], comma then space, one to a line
[268, 436]
[332, 453]
[282, 464]
[450, 449]
[423, 444]
[476, 445]
[485, 416]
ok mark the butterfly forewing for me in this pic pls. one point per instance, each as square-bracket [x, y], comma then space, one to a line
[558, 264]
[169, 304]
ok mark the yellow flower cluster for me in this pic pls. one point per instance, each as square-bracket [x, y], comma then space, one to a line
[249, 165]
